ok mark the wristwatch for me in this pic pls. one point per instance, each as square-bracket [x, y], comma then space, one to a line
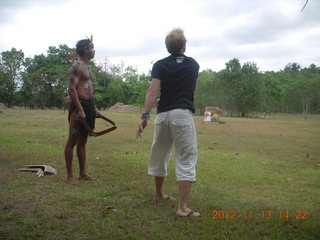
[145, 115]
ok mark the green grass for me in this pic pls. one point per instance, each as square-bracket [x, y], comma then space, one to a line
[256, 165]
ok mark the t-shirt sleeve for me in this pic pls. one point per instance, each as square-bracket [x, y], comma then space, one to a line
[156, 71]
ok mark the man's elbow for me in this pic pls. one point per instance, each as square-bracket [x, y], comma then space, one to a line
[153, 92]
[71, 90]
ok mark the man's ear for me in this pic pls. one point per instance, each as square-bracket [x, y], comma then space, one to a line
[184, 49]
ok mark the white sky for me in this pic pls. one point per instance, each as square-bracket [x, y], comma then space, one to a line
[271, 33]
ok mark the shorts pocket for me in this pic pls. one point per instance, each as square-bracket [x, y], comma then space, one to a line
[183, 132]
[181, 123]
[159, 120]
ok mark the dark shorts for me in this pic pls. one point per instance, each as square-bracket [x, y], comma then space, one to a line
[89, 110]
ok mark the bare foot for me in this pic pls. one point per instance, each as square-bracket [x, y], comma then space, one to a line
[164, 197]
[86, 177]
[187, 213]
[72, 181]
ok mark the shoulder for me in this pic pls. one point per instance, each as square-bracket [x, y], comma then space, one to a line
[160, 64]
[192, 61]
[159, 68]
[76, 67]
[163, 60]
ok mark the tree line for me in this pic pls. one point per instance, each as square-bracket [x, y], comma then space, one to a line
[240, 90]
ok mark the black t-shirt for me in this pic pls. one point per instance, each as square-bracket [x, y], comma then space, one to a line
[178, 74]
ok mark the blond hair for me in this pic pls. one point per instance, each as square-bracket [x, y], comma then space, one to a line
[176, 41]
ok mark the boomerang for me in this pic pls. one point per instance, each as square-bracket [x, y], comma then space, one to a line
[96, 134]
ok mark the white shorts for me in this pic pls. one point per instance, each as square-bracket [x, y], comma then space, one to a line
[174, 127]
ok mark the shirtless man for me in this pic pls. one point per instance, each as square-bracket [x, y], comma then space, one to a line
[81, 109]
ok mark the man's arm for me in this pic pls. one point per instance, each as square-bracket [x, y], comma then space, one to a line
[74, 75]
[149, 102]
[151, 94]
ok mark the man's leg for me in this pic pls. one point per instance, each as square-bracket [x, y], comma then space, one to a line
[186, 157]
[68, 151]
[81, 153]
[159, 189]
[184, 190]
[160, 154]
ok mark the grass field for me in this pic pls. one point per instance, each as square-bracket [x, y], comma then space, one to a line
[256, 179]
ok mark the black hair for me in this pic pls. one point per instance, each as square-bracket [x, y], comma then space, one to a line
[81, 45]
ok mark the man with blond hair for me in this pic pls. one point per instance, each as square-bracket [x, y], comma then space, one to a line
[176, 77]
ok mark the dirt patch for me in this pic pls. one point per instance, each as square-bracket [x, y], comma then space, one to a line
[120, 107]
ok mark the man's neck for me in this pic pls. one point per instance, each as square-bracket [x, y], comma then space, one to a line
[85, 60]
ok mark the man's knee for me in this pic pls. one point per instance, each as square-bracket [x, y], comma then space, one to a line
[71, 142]
[82, 140]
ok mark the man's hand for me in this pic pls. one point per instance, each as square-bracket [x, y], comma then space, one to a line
[82, 115]
[97, 113]
[143, 124]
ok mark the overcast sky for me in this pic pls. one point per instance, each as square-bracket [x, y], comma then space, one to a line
[271, 33]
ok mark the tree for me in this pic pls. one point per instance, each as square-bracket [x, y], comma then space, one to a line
[306, 88]
[141, 89]
[315, 104]
[242, 87]
[10, 70]
[228, 81]
[5, 85]
[205, 94]
[292, 67]
[46, 76]
[272, 90]
[250, 90]
[37, 82]
[116, 91]
[101, 82]
[131, 79]
[60, 59]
